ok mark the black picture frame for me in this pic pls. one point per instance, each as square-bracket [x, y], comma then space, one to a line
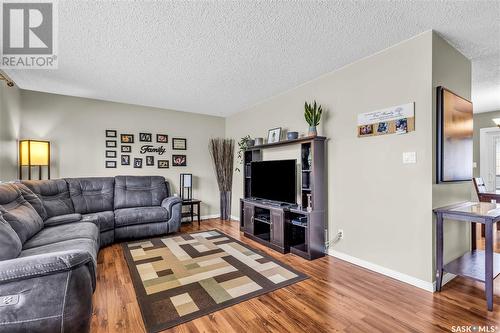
[150, 160]
[126, 138]
[110, 143]
[138, 163]
[179, 144]
[110, 165]
[179, 160]
[126, 149]
[111, 133]
[271, 132]
[161, 138]
[145, 137]
[163, 164]
[110, 153]
[125, 159]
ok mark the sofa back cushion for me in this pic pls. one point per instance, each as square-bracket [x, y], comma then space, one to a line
[33, 199]
[19, 213]
[92, 195]
[139, 191]
[54, 195]
[10, 244]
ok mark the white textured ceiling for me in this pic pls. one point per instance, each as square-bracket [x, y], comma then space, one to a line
[220, 57]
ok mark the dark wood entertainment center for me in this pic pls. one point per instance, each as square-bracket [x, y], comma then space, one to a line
[290, 228]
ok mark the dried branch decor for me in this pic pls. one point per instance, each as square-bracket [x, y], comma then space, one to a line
[222, 152]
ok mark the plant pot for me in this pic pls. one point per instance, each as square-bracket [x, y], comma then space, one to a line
[292, 135]
[312, 131]
[250, 143]
[259, 141]
[225, 205]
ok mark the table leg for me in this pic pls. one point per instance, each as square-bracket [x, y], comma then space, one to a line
[473, 235]
[192, 217]
[488, 257]
[439, 251]
[199, 214]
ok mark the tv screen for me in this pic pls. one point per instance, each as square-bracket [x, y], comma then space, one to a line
[274, 180]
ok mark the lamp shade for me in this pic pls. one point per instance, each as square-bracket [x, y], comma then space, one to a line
[34, 153]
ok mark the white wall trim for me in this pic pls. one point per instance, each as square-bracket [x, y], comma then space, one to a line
[425, 285]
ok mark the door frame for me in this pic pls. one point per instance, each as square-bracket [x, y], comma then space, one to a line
[486, 151]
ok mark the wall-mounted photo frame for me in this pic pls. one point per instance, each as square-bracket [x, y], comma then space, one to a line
[145, 137]
[179, 144]
[127, 138]
[110, 164]
[138, 163]
[111, 133]
[161, 138]
[274, 135]
[150, 160]
[126, 149]
[125, 159]
[163, 164]
[179, 160]
[110, 144]
[110, 153]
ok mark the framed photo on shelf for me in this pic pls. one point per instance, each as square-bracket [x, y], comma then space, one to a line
[163, 164]
[125, 159]
[179, 160]
[274, 135]
[138, 163]
[126, 149]
[110, 153]
[110, 164]
[127, 138]
[161, 138]
[145, 137]
[110, 133]
[110, 144]
[150, 160]
[179, 144]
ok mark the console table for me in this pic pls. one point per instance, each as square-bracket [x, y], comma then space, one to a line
[483, 266]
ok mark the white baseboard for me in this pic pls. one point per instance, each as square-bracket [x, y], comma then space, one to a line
[425, 285]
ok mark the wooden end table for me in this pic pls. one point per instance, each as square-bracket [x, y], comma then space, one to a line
[191, 203]
[482, 266]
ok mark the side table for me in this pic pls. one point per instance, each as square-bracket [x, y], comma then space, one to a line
[191, 203]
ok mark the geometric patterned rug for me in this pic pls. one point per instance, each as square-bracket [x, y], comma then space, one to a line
[183, 277]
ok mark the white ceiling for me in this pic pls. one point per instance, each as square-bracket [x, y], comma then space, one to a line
[220, 57]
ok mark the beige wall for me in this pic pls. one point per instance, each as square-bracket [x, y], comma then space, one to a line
[481, 120]
[9, 131]
[76, 127]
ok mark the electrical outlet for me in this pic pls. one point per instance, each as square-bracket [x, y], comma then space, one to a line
[340, 234]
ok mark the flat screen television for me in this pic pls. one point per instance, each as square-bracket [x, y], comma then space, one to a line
[274, 180]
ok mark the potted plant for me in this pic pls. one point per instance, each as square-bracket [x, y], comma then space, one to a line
[222, 152]
[312, 114]
[243, 144]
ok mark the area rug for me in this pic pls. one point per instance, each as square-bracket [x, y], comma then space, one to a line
[180, 278]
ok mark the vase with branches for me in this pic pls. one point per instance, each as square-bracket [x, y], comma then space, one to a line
[312, 114]
[222, 152]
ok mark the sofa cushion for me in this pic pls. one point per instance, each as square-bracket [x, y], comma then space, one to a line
[140, 215]
[105, 220]
[139, 191]
[62, 233]
[91, 195]
[79, 244]
[10, 244]
[62, 219]
[54, 195]
[33, 199]
[21, 216]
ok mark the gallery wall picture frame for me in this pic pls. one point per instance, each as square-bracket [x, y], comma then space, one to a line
[110, 143]
[125, 159]
[162, 138]
[274, 135]
[145, 137]
[110, 153]
[396, 119]
[110, 164]
[150, 160]
[126, 138]
[138, 163]
[126, 149]
[163, 164]
[454, 146]
[179, 144]
[179, 160]
[111, 133]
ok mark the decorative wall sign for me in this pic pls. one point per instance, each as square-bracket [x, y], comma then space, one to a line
[398, 119]
[161, 138]
[145, 137]
[179, 160]
[127, 138]
[150, 160]
[137, 162]
[163, 164]
[110, 133]
[110, 164]
[152, 149]
[179, 144]
[125, 159]
[110, 144]
[110, 153]
[126, 149]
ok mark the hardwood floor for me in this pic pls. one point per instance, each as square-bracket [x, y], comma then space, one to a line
[338, 297]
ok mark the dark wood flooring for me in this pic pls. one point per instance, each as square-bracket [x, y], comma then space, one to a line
[338, 297]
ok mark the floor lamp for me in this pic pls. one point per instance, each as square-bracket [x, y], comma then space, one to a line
[34, 153]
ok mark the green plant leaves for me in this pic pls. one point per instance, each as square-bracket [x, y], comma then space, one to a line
[312, 113]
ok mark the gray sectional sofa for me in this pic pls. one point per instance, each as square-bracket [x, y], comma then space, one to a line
[50, 235]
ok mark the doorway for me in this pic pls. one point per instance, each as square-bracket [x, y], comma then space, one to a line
[489, 158]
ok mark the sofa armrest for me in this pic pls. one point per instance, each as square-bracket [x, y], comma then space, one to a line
[62, 219]
[174, 207]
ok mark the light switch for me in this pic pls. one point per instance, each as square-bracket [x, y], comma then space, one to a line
[409, 157]
[474, 165]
